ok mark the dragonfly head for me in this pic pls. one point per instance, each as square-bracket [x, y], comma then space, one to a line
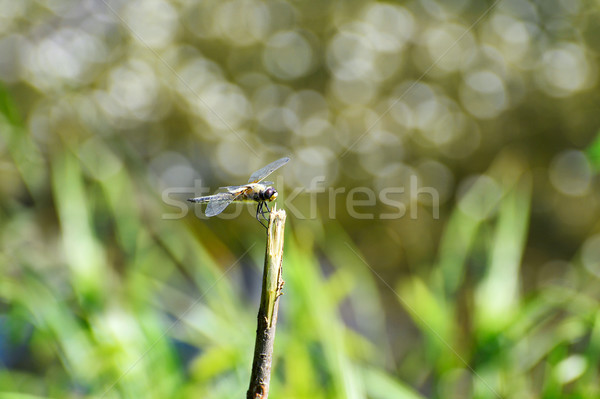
[270, 194]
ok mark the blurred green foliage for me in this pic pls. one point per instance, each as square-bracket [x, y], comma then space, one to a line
[113, 112]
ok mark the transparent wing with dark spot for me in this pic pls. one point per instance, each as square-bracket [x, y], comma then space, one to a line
[267, 170]
[218, 203]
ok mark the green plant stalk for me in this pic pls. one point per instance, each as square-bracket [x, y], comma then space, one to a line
[267, 312]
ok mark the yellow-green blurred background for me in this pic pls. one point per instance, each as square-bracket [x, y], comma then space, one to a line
[113, 112]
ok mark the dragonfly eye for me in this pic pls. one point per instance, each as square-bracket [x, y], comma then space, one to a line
[270, 194]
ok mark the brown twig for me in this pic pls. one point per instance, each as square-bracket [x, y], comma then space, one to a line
[267, 312]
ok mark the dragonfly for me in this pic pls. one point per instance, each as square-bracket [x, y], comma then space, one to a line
[256, 190]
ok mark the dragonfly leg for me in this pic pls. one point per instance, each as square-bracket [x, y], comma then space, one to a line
[266, 214]
[259, 211]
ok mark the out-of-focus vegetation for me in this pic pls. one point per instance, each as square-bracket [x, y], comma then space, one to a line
[112, 112]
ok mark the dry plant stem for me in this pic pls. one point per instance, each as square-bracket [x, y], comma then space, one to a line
[267, 313]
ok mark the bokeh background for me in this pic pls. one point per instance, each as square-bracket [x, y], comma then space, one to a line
[113, 112]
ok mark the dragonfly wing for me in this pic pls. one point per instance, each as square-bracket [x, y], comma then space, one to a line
[218, 203]
[201, 199]
[267, 170]
[236, 188]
